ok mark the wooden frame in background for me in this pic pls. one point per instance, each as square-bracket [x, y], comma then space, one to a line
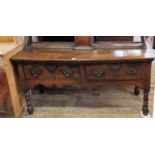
[12, 45]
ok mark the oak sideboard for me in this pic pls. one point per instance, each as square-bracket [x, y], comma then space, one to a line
[84, 67]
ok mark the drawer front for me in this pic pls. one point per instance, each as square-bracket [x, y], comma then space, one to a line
[115, 71]
[39, 71]
[135, 71]
[68, 73]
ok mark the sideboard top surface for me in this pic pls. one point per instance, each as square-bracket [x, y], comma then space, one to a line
[74, 55]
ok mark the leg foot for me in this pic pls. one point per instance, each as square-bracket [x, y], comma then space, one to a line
[28, 102]
[145, 109]
[136, 90]
[41, 89]
[145, 116]
[30, 109]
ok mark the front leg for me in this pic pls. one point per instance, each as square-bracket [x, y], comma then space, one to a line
[28, 102]
[145, 109]
[136, 90]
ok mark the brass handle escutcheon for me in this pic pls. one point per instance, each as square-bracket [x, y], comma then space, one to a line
[67, 72]
[132, 71]
[115, 67]
[99, 73]
[50, 67]
[35, 71]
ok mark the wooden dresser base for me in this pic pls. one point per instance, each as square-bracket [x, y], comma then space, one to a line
[79, 69]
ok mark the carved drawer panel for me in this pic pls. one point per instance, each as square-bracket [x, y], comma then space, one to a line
[105, 71]
[135, 71]
[68, 73]
[39, 71]
[115, 71]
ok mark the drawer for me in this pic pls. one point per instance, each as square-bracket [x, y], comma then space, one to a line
[115, 71]
[39, 71]
[68, 73]
[135, 71]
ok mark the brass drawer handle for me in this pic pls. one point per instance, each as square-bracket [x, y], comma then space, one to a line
[35, 71]
[67, 72]
[99, 73]
[132, 71]
[50, 68]
[115, 67]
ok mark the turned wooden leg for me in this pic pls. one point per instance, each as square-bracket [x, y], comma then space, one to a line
[145, 109]
[136, 90]
[28, 102]
[41, 89]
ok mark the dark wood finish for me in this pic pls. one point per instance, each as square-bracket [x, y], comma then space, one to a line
[68, 73]
[145, 109]
[84, 69]
[38, 71]
[28, 102]
[91, 56]
[122, 71]
[136, 91]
